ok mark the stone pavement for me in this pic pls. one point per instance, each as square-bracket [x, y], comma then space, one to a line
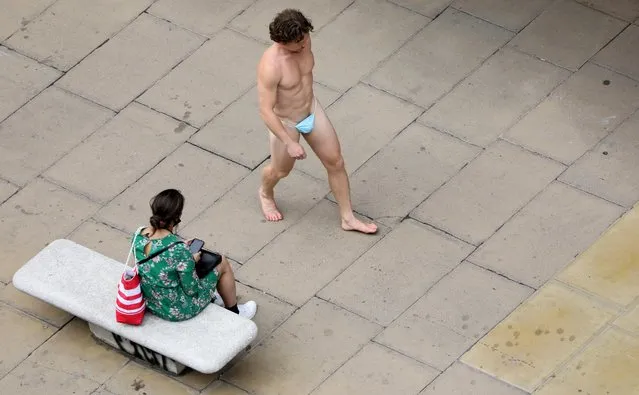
[493, 141]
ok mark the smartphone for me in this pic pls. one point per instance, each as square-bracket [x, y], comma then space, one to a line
[196, 246]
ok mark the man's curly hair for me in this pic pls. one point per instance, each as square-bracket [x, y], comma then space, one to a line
[289, 26]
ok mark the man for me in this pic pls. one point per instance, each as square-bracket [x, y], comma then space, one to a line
[289, 108]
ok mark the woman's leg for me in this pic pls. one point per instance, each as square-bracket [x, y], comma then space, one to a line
[226, 283]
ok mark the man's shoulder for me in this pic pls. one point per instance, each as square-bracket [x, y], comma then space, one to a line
[269, 65]
[269, 53]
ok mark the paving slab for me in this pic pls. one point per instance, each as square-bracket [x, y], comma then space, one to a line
[622, 54]
[128, 146]
[328, 348]
[222, 388]
[235, 225]
[196, 380]
[202, 178]
[578, 114]
[33, 306]
[22, 79]
[432, 343]
[31, 378]
[454, 313]
[316, 244]
[487, 192]
[104, 239]
[430, 8]
[609, 268]
[304, 351]
[30, 222]
[376, 369]
[255, 20]
[135, 379]
[204, 84]
[608, 365]
[365, 120]
[609, 169]
[6, 190]
[102, 391]
[626, 10]
[340, 62]
[71, 29]
[546, 235]
[567, 34]
[412, 166]
[507, 14]
[129, 63]
[395, 272]
[21, 335]
[74, 350]
[459, 379]
[44, 130]
[16, 14]
[538, 337]
[509, 84]
[201, 16]
[271, 312]
[471, 300]
[238, 132]
[438, 57]
[629, 321]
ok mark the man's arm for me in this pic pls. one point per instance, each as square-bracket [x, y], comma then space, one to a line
[267, 82]
[268, 78]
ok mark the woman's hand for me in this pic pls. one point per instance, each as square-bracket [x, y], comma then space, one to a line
[197, 256]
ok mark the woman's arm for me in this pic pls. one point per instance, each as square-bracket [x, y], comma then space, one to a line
[186, 272]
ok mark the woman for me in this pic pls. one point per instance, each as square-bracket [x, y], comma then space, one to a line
[169, 282]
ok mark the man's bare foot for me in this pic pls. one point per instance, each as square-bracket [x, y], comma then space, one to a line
[356, 225]
[269, 208]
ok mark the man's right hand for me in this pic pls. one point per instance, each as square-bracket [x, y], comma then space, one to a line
[295, 150]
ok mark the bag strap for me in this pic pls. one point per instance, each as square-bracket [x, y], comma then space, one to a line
[158, 252]
[126, 263]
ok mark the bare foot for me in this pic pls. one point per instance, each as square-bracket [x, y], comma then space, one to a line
[269, 209]
[356, 225]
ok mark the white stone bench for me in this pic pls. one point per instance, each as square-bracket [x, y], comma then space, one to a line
[84, 283]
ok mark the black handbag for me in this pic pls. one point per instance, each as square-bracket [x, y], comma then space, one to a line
[208, 261]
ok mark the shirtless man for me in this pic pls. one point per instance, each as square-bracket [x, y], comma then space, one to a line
[289, 108]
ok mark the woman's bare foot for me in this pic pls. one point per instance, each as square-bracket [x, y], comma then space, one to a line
[356, 225]
[269, 208]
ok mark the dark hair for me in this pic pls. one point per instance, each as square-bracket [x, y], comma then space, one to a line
[166, 208]
[289, 26]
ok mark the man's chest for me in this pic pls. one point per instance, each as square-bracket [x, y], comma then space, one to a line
[294, 68]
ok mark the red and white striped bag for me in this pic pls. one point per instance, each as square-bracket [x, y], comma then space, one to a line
[130, 305]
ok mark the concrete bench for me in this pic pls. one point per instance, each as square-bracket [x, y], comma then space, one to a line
[84, 283]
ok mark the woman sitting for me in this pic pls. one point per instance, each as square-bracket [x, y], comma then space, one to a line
[169, 281]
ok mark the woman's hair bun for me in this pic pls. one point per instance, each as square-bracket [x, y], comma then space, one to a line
[157, 222]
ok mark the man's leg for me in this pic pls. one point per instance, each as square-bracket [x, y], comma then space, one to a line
[281, 164]
[323, 140]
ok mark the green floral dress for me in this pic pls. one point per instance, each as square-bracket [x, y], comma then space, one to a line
[170, 286]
